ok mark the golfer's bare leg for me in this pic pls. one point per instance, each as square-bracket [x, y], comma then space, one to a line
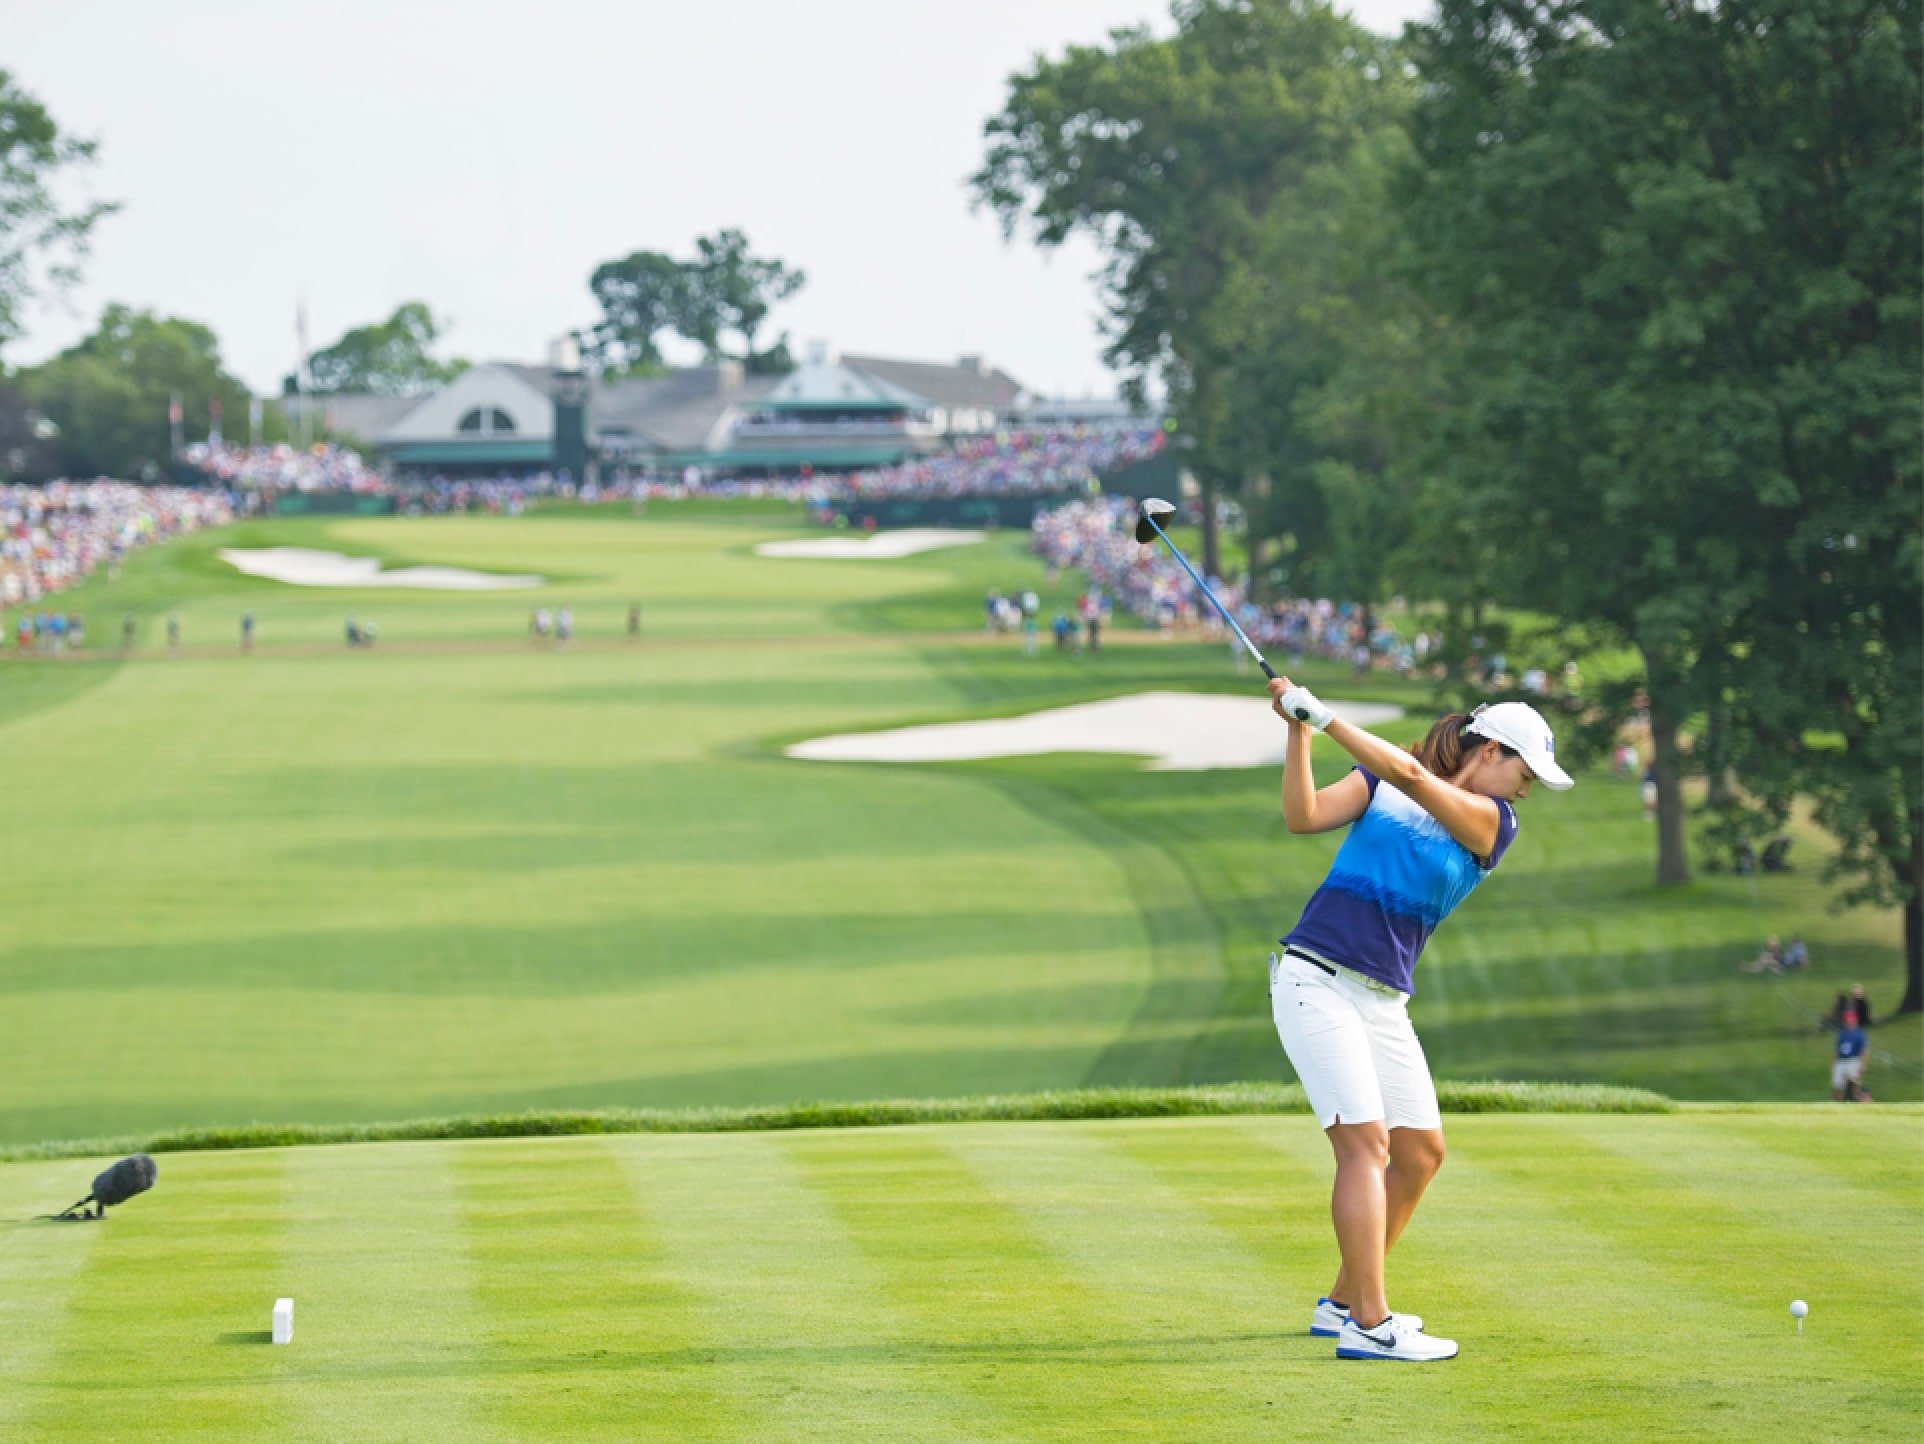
[1415, 1156]
[1359, 1209]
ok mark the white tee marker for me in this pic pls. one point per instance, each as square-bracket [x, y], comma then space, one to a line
[283, 1321]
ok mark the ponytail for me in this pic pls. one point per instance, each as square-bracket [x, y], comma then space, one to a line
[1442, 751]
[1449, 743]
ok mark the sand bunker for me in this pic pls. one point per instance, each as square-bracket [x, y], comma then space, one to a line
[881, 545]
[1180, 731]
[299, 567]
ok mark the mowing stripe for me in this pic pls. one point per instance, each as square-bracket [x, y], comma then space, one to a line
[1537, 1305]
[995, 1313]
[1249, 1192]
[40, 1265]
[550, 1367]
[1763, 1211]
[191, 1360]
[1895, 1175]
[1595, 1293]
[384, 1309]
[795, 1321]
[1218, 1343]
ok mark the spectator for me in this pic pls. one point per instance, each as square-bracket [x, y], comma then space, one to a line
[52, 537]
[1770, 960]
[247, 631]
[1847, 1071]
[1853, 1001]
[1649, 790]
[634, 621]
[1796, 955]
[173, 633]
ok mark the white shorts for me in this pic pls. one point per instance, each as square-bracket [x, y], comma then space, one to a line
[1847, 1070]
[1352, 1046]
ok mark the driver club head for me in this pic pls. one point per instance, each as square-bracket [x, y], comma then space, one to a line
[1147, 510]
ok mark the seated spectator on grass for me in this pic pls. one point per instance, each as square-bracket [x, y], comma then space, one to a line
[1770, 960]
[1796, 955]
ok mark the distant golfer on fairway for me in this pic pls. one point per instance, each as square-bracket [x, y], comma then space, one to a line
[1340, 990]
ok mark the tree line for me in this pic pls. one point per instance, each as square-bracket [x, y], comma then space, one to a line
[1600, 311]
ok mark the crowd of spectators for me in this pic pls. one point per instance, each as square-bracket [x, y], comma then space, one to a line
[1011, 463]
[1097, 536]
[53, 536]
[283, 467]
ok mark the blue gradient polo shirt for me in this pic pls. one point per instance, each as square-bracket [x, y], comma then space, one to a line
[1397, 875]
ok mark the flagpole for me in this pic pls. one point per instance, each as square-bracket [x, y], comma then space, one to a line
[300, 369]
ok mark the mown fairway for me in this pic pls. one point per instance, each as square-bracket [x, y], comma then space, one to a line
[1608, 1278]
[459, 873]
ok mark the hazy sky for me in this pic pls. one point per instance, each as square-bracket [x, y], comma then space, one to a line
[484, 157]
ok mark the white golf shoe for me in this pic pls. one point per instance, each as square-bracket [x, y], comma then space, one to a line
[1328, 1320]
[1394, 1339]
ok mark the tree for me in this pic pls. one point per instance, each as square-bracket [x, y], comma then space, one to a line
[1172, 155]
[388, 358]
[1682, 242]
[109, 394]
[26, 453]
[34, 227]
[723, 289]
[641, 295]
[731, 290]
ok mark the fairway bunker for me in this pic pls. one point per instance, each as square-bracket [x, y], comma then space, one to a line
[300, 567]
[1179, 731]
[878, 546]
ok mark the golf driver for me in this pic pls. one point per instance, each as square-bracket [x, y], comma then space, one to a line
[1147, 510]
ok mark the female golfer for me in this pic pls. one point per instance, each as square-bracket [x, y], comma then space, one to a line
[1340, 990]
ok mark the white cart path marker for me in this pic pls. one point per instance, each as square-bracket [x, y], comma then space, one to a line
[283, 1321]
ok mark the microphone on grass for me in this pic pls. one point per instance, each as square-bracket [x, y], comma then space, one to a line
[112, 1185]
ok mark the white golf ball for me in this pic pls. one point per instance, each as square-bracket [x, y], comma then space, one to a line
[1798, 1308]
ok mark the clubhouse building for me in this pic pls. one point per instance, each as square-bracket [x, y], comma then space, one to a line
[832, 413]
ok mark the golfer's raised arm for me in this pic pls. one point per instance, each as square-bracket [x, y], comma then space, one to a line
[1469, 817]
[1305, 808]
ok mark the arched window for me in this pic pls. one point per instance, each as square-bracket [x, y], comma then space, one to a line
[487, 421]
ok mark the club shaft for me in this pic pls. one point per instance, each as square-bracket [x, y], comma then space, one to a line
[1223, 611]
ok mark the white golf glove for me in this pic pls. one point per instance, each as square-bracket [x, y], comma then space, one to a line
[1301, 703]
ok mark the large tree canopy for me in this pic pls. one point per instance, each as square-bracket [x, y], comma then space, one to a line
[724, 289]
[109, 395]
[388, 358]
[1182, 157]
[34, 226]
[1683, 243]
